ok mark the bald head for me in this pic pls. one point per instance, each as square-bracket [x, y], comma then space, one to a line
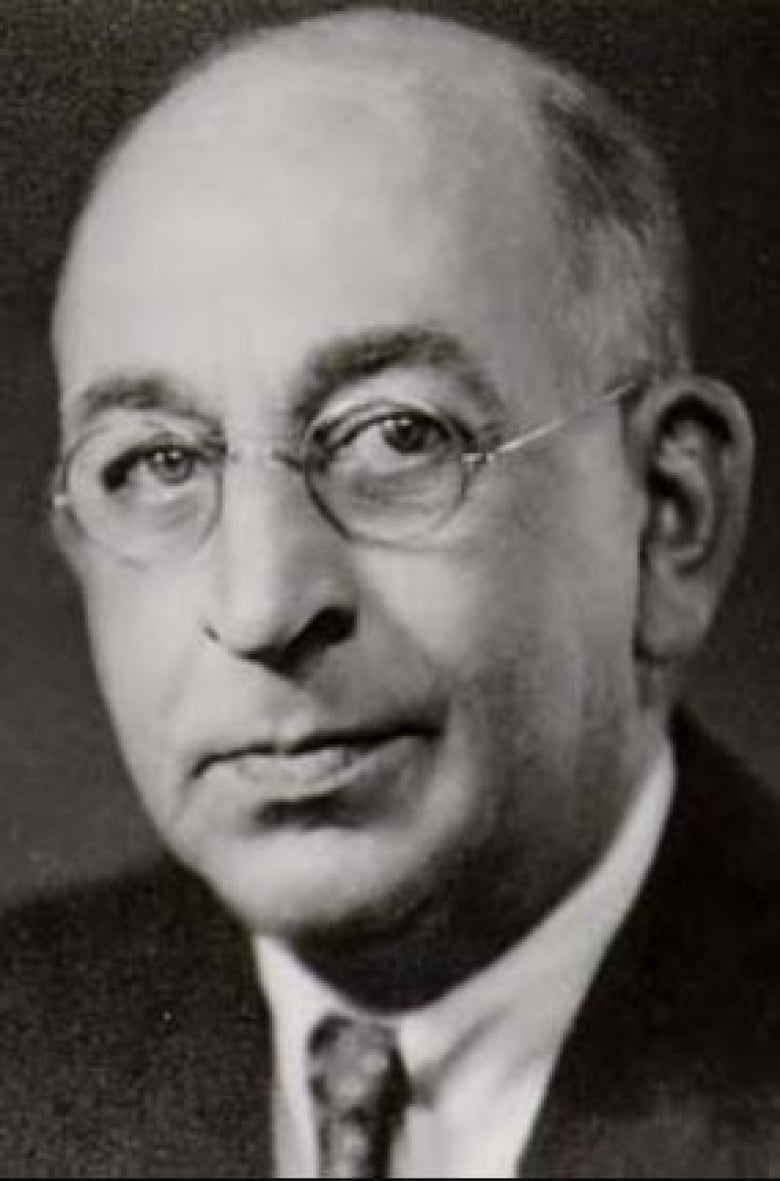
[440, 114]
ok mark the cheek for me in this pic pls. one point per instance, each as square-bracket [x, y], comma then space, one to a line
[141, 632]
[476, 602]
[495, 621]
[525, 625]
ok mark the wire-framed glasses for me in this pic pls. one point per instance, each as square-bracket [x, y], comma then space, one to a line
[150, 490]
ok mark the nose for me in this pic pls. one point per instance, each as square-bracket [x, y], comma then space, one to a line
[281, 583]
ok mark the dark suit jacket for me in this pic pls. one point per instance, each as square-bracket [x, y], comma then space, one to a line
[134, 1039]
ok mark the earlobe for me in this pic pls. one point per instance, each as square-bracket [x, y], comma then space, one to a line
[695, 447]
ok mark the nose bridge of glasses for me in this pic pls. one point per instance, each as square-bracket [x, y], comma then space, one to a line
[253, 500]
[255, 497]
[275, 566]
[266, 452]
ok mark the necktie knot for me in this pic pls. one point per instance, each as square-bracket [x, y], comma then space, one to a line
[358, 1086]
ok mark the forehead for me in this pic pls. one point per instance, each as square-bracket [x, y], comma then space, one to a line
[263, 213]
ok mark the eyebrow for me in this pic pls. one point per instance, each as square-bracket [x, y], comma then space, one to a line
[370, 354]
[331, 368]
[147, 392]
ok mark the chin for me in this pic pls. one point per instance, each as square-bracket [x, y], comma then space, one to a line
[302, 889]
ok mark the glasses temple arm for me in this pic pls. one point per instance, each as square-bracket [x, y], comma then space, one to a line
[550, 428]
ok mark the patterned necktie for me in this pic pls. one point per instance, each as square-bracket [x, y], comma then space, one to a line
[359, 1087]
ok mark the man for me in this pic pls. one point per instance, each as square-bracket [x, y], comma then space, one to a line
[398, 511]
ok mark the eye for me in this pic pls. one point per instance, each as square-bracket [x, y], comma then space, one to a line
[142, 467]
[387, 441]
[169, 464]
[143, 489]
[413, 433]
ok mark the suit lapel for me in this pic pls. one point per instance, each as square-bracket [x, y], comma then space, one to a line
[206, 1087]
[633, 1092]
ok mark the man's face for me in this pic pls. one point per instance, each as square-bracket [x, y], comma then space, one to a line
[332, 732]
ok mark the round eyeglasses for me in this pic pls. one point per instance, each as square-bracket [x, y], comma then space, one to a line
[391, 473]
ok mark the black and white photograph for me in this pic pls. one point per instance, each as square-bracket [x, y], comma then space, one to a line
[390, 591]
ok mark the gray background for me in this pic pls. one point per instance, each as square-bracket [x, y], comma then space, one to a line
[704, 76]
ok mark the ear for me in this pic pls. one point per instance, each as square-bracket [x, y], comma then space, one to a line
[694, 444]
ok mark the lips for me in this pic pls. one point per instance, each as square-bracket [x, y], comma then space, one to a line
[316, 767]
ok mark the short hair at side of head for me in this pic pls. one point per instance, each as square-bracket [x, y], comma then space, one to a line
[622, 282]
[624, 247]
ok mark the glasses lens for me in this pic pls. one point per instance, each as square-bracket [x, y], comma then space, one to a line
[389, 473]
[143, 490]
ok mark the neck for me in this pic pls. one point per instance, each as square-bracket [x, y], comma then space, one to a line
[467, 922]
[428, 950]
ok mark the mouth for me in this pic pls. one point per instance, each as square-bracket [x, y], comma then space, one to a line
[319, 768]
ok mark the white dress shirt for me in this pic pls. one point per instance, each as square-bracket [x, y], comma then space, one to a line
[480, 1058]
